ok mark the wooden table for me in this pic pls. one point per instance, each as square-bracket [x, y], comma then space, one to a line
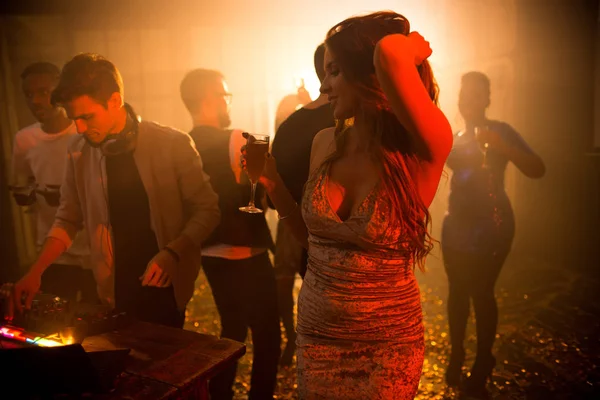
[165, 363]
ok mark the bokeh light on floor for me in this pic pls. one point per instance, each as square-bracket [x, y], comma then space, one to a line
[539, 353]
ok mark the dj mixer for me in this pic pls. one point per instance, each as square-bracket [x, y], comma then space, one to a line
[52, 321]
[45, 342]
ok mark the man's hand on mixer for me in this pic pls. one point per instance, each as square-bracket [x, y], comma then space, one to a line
[6, 298]
[155, 274]
[27, 287]
[6, 290]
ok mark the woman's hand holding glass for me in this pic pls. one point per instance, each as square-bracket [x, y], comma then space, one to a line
[269, 174]
[258, 165]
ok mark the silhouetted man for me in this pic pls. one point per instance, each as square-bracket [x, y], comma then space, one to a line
[38, 165]
[235, 259]
[291, 149]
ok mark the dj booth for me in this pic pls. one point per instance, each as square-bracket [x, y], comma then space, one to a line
[103, 355]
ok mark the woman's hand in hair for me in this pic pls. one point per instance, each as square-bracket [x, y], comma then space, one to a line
[412, 46]
[421, 47]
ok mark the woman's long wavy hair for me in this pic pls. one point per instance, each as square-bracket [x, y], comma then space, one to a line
[352, 45]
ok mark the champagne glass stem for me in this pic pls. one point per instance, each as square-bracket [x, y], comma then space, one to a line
[252, 194]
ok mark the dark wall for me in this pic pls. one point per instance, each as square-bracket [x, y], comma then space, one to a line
[558, 216]
[8, 246]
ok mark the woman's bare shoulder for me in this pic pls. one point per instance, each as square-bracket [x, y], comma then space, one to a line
[322, 147]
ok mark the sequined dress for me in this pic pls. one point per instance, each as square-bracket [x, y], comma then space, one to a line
[360, 330]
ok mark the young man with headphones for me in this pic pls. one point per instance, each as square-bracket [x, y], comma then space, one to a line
[139, 190]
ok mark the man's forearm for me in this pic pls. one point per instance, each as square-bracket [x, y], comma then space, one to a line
[51, 250]
[181, 245]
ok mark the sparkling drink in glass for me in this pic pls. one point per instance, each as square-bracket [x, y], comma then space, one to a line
[257, 146]
[484, 150]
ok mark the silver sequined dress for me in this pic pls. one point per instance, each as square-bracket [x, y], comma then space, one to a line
[360, 329]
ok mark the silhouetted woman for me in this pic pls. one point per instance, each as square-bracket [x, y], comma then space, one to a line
[479, 225]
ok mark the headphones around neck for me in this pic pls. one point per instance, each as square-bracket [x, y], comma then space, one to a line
[124, 141]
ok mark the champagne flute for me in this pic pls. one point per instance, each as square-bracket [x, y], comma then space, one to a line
[256, 148]
[478, 130]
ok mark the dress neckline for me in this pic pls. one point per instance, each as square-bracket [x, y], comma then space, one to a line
[355, 207]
